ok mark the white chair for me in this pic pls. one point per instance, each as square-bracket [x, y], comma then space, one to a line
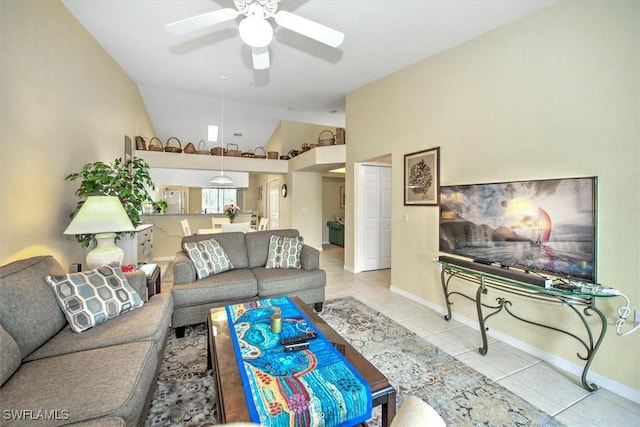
[217, 222]
[236, 226]
[186, 229]
[415, 412]
[263, 224]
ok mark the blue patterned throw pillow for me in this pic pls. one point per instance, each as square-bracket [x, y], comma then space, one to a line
[208, 257]
[284, 252]
[93, 297]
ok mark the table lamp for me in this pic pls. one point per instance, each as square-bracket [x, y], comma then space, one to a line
[102, 216]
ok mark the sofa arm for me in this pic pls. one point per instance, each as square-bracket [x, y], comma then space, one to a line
[184, 271]
[310, 258]
[138, 281]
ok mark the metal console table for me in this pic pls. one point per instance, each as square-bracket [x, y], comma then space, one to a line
[563, 298]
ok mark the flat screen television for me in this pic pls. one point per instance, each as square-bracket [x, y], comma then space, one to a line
[543, 226]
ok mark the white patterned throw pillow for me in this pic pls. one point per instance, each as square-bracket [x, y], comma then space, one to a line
[93, 297]
[284, 252]
[208, 257]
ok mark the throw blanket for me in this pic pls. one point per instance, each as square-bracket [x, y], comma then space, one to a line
[313, 387]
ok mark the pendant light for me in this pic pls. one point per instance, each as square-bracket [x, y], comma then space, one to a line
[222, 180]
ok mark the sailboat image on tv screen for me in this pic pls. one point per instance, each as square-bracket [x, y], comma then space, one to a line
[544, 227]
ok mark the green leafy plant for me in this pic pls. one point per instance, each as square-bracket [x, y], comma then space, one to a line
[162, 205]
[127, 180]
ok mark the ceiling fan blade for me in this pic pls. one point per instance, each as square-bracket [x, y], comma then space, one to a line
[260, 57]
[199, 22]
[309, 28]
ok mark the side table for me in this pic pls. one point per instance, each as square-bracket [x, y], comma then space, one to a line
[152, 271]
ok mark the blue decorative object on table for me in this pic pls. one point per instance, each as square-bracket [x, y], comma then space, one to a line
[314, 386]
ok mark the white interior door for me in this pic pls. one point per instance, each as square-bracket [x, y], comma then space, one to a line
[385, 217]
[375, 217]
[273, 204]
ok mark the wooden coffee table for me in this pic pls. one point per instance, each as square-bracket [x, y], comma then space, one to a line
[231, 397]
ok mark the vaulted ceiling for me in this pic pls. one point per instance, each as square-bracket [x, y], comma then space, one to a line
[178, 76]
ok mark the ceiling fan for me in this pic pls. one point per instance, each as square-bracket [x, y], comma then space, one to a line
[255, 29]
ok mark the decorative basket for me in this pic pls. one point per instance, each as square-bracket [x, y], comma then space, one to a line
[260, 156]
[248, 154]
[284, 157]
[233, 153]
[293, 153]
[305, 147]
[340, 139]
[171, 148]
[218, 151]
[324, 140]
[141, 143]
[190, 148]
[155, 144]
[272, 155]
[202, 148]
[313, 145]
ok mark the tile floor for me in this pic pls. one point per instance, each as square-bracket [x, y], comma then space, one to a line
[556, 392]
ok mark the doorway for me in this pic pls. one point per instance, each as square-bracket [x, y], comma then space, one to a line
[374, 213]
[273, 203]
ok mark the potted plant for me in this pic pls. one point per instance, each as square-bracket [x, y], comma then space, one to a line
[127, 180]
[162, 205]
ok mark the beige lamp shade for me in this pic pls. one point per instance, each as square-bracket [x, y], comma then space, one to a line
[102, 216]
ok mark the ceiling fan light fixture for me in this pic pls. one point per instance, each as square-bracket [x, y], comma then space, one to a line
[260, 57]
[255, 31]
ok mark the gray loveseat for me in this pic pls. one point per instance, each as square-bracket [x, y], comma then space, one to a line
[248, 280]
[51, 375]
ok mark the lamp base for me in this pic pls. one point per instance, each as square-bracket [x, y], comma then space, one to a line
[106, 252]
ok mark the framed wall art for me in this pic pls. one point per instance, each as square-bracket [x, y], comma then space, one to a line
[422, 178]
[343, 199]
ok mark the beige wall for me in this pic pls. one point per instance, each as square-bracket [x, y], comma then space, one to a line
[553, 95]
[305, 195]
[64, 103]
[295, 134]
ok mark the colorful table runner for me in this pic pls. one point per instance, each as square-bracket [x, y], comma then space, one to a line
[313, 387]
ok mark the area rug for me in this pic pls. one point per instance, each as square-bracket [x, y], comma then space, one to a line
[186, 392]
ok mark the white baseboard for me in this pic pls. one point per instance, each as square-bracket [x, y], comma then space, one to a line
[559, 362]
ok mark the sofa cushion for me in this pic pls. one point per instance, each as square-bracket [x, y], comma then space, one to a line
[230, 285]
[109, 381]
[276, 282]
[258, 244]
[150, 322]
[284, 252]
[208, 257]
[93, 297]
[28, 307]
[233, 244]
[9, 354]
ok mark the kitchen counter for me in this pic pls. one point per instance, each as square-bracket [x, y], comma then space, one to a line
[167, 231]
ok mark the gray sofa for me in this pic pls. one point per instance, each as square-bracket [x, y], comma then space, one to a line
[51, 375]
[249, 280]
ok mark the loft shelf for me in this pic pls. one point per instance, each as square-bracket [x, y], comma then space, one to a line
[319, 159]
[160, 159]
